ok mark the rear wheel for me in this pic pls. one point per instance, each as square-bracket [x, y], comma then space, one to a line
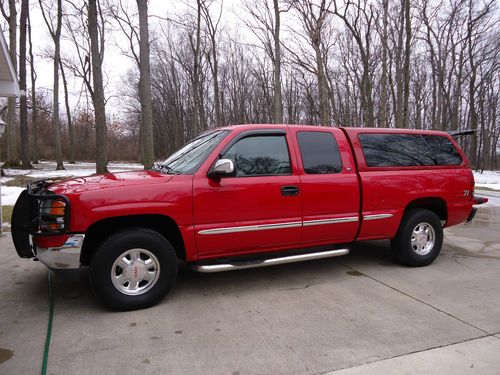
[419, 238]
[133, 269]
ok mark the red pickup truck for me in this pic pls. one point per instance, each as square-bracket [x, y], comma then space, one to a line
[248, 196]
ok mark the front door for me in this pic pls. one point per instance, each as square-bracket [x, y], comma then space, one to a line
[258, 209]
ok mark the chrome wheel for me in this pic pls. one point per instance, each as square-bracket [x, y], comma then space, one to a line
[135, 271]
[423, 239]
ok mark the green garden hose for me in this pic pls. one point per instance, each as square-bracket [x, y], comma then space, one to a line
[49, 326]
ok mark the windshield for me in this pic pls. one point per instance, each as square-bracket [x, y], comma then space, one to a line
[188, 159]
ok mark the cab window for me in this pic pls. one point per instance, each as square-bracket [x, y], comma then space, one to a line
[261, 155]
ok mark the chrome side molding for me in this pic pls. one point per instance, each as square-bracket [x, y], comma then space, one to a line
[350, 219]
[210, 268]
[377, 217]
[251, 228]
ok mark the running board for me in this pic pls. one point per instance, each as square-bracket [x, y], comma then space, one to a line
[209, 268]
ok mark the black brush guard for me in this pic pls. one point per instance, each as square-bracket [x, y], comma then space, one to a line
[27, 217]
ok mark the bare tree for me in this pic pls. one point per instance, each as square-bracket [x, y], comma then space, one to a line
[96, 52]
[314, 17]
[383, 80]
[145, 85]
[68, 116]
[23, 103]
[55, 33]
[406, 67]
[212, 31]
[34, 109]
[360, 25]
[266, 26]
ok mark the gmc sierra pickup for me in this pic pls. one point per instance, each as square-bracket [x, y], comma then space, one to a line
[248, 196]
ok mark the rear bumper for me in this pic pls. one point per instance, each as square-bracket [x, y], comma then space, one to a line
[471, 215]
[479, 200]
[475, 200]
[66, 256]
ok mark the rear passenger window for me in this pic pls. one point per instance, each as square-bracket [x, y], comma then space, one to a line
[443, 151]
[394, 150]
[320, 152]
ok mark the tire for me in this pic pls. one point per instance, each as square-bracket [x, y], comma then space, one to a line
[133, 269]
[419, 238]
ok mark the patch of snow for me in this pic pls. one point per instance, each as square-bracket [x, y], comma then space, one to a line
[10, 194]
[16, 172]
[47, 169]
[487, 179]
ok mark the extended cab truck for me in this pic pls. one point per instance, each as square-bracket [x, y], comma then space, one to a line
[248, 196]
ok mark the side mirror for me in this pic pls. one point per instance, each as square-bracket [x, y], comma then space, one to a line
[223, 167]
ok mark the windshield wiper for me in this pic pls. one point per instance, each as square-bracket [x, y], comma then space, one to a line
[165, 169]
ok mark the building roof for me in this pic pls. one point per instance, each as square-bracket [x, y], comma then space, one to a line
[9, 85]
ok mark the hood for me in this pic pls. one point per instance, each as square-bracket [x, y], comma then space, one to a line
[109, 180]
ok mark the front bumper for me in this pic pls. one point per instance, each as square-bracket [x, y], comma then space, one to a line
[65, 257]
[29, 219]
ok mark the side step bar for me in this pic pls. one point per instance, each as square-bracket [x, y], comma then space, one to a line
[209, 268]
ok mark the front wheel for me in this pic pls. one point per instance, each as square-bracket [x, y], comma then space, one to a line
[133, 269]
[419, 238]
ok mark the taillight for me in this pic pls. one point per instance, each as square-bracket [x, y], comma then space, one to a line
[52, 215]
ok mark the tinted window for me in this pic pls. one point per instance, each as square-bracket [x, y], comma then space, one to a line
[320, 152]
[443, 151]
[389, 150]
[260, 156]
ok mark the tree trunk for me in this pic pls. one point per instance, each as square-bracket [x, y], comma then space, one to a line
[398, 114]
[145, 83]
[55, 111]
[23, 111]
[10, 130]
[278, 102]
[98, 93]
[68, 115]
[472, 90]
[406, 68]
[34, 109]
[215, 74]
[324, 110]
[383, 79]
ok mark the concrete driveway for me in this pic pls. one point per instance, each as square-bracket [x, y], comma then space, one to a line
[358, 314]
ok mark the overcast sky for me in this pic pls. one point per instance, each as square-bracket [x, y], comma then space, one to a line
[115, 64]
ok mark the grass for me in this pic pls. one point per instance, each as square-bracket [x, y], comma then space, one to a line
[6, 213]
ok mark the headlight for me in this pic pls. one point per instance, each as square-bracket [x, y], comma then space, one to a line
[52, 215]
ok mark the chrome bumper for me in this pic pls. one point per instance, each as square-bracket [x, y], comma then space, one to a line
[65, 257]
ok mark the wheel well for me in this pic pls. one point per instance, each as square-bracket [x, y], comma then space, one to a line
[434, 204]
[100, 230]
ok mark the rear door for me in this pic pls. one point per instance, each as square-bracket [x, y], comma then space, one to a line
[330, 188]
[259, 209]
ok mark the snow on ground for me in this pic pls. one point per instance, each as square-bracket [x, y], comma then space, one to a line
[10, 194]
[47, 169]
[487, 179]
[493, 198]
